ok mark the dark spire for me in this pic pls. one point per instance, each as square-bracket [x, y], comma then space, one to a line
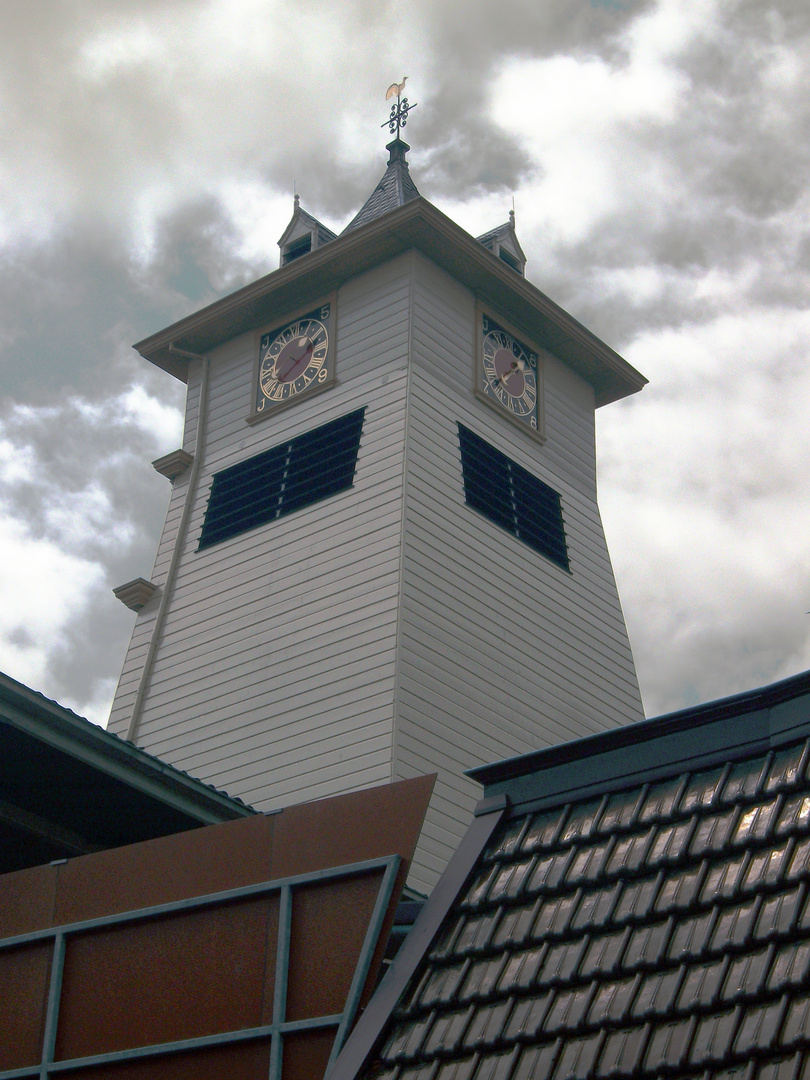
[395, 189]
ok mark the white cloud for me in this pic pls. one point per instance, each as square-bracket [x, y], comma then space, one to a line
[44, 588]
[139, 408]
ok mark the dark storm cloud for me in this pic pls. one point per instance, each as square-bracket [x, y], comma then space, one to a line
[71, 306]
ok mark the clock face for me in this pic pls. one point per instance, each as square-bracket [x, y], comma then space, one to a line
[509, 373]
[294, 359]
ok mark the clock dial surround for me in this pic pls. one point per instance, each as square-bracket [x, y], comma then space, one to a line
[509, 374]
[294, 360]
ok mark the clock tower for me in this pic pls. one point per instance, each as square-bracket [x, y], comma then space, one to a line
[383, 554]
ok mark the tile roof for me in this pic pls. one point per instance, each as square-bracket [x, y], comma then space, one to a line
[659, 928]
[395, 189]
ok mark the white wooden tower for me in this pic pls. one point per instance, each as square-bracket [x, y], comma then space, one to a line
[421, 586]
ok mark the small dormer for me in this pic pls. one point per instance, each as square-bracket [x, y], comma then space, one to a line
[303, 234]
[503, 242]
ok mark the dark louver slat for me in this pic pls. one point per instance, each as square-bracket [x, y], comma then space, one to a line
[512, 498]
[289, 477]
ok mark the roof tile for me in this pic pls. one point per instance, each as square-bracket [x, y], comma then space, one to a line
[509, 842]
[488, 1025]
[595, 907]
[691, 935]
[587, 863]
[554, 916]
[797, 1021]
[701, 985]
[800, 863]
[713, 833]
[549, 872]
[445, 947]
[612, 1000]
[656, 995]
[789, 766]
[636, 900]
[647, 946]
[786, 1068]
[746, 975]
[766, 868]
[745, 779]
[778, 914]
[527, 1016]
[622, 1052]
[759, 1028]
[510, 880]
[520, 970]
[515, 926]
[561, 962]
[669, 1044]
[421, 1072]
[804, 921]
[457, 1070]
[680, 890]
[536, 1061]
[496, 1066]
[445, 1035]
[582, 820]
[604, 954]
[407, 1041]
[630, 852]
[476, 933]
[723, 878]
[662, 798]
[795, 815]
[578, 1058]
[568, 1009]
[756, 821]
[442, 984]
[621, 811]
[543, 830]
[483, 975]
[477, 892]
[671, 843]
[734, 925]
[703, 789]
[713, 1036]
[791, 966]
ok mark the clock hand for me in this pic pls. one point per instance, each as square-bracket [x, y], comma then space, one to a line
[517, 365]
[296, 359]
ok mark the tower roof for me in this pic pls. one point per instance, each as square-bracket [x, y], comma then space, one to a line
[395, 189]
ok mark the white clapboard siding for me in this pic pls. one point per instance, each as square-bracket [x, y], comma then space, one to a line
[500, 650]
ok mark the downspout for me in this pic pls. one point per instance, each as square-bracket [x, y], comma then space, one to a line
[179, 543]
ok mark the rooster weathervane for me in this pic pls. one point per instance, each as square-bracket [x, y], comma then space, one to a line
[399, 112]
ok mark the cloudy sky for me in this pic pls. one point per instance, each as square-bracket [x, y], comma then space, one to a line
[657, 152]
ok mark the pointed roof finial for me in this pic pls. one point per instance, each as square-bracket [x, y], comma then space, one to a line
[399, 112]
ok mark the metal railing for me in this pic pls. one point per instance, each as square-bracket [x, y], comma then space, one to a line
[276, 1030]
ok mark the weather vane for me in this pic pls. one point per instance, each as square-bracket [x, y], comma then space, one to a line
[399, 112]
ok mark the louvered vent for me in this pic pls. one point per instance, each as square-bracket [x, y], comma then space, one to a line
[511, 497]
[288, 477]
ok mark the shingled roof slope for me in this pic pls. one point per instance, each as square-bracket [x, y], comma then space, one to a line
[395, 189]
[658, 929]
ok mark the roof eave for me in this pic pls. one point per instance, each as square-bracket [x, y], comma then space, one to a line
[416, 225]
[62, 729]
[692, 739]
